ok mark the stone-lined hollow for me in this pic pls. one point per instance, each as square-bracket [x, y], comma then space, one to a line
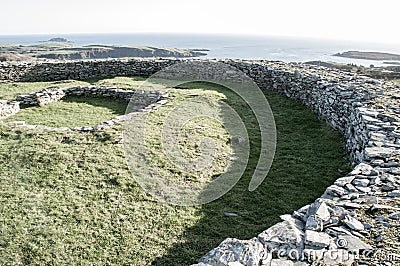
[72, 111]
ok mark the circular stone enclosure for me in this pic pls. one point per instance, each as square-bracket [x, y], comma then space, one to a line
[78, 108]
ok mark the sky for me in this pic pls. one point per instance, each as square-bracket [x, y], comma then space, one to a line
[373, 21]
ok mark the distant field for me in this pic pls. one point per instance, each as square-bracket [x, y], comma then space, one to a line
[68, 198]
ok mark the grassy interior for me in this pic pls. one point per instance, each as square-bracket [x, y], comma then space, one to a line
[71, 112]
[69, 198]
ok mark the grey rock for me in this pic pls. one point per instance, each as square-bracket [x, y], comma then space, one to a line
[335, 191]
[282, 235]
[367, 226]
[353, 223]
[317, 239]
[358, 182]
[363, 169]
[379, 152]
[293, 220]
[320, 210]
[349, 205]
[351, 243]
[351, 188]
[364, 189]
[336, 231]
[389, 187]
[395, 216]
[377, 207]
[246, 252]
[378, 238]
[344, 181]
[314, 223]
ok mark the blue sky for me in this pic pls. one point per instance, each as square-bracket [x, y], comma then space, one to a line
[374, 21]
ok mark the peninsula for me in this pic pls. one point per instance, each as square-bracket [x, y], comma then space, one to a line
[64, 51]
[369, 55]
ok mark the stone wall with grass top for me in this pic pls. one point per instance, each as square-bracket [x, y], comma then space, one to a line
[346, 224]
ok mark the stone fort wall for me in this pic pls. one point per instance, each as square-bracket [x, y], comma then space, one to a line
[364, 110]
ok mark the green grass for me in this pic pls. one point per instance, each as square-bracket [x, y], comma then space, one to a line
[71, 112]
[68, 197]
[10, 91]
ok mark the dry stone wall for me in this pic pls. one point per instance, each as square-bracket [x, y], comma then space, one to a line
[139, 101]
[329, 231]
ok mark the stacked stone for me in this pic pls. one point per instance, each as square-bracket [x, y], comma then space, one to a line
[328, 231]
[50, 71]
[8, 109]
[42, 97]
[138, 98]
[139, 101]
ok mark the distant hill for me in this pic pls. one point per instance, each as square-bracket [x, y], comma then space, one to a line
[369, 55]
[58, 39]
[64, 51]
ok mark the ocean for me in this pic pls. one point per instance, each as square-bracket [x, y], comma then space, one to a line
[226, 46]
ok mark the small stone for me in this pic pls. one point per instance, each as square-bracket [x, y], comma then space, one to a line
[378, 152]
[363, 169]
[320, 210]
[389, 187]
[353, 223]
[336, 231]
[395, 216]
[335, 191]
[378, 238]
[367, 226]
[350, 205]
[314, 223]
[386, 224]
[344, 181]
[364, 189]
[360, 182]
[377, 207]
[230, 214]
[351, 188]
[293, 220]
[394, 194]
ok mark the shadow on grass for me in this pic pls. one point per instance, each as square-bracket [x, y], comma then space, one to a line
[309, 157]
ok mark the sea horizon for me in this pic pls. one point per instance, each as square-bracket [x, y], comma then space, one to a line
[251, 47]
